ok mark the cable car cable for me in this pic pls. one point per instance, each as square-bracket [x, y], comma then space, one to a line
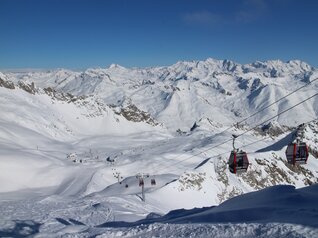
[282, 112]
[277, 101]
[262, 109]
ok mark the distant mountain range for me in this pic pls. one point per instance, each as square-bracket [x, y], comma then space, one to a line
[179, 95]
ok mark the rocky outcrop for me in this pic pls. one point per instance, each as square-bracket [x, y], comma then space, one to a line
[132, 113]
[6, 84]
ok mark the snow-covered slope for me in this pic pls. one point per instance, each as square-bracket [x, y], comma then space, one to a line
[279, 211]
[260, 212]
[78, 141]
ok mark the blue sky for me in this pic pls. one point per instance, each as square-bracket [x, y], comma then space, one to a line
[79, 34]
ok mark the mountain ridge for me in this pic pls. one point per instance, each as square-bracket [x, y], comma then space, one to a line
[232, 89]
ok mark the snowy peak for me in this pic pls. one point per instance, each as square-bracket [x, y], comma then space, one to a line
[116, 66]
[278, 68]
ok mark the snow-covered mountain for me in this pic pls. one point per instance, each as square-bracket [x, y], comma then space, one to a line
[179, 95]
[78, 140]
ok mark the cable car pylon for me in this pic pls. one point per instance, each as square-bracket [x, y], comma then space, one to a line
[141, 180]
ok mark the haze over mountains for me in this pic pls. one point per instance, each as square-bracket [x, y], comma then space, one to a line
[68, 137]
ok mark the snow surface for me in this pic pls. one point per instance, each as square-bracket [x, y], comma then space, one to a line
[62, 155]
[279, 211]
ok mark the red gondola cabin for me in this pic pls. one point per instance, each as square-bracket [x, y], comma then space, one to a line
[153, 182]
[297, 153]
[238, 162]
[141, 182]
